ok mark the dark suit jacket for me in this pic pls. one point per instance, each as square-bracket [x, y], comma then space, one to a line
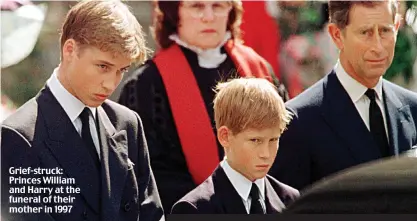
[327, 133]
[216, 195]
[40, 135]
[383, 186]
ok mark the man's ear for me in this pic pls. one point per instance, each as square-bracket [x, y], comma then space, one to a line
[336, 35]
[69, 49]
[223, 135]
[398, 20]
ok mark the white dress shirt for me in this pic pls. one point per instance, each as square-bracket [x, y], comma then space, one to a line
[357, 91]
[73, 107]
[243, 185]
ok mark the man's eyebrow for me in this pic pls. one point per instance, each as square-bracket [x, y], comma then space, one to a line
[387, 25]
[365, 27]
[106, 62]
[111, 64]
[372, 26]
[126, 67]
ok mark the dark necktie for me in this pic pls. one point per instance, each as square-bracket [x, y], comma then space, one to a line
[86, 136]
[376, 123]
[256, 206]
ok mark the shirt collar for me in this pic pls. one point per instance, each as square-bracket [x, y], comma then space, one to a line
[241, 183]
[355, 89]
[71, 105]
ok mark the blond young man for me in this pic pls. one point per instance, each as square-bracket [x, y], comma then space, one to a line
[71, 129]
[250, 117]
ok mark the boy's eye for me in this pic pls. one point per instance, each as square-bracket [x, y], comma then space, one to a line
[256, 140]
[103, 67]
[274, 139]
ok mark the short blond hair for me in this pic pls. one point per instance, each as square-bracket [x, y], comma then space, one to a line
[249, 103]
[107, 25]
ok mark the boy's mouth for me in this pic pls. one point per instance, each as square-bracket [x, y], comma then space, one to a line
[262, 166]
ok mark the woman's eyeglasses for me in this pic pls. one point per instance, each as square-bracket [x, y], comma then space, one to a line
[197, 9]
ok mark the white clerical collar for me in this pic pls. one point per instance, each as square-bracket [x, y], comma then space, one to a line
[207, 58]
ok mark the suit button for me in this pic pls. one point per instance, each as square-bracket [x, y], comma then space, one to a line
[127, 207]
[85, 215]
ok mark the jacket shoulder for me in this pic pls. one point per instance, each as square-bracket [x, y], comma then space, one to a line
[201, 196]
[121, 115]
[286, 193]
[405, 95]
[23, 120]
[308, 103]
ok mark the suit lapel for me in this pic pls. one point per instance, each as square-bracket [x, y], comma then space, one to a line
[114, 164]
[341, 114]
[231, 201]
[272, 201]
[399, 120]
[66, 145]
